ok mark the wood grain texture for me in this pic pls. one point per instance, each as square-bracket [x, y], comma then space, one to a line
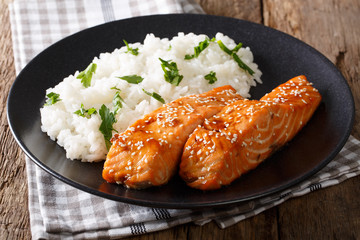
[332, 213]
[14, 221]
[333, 29]
[330, 27]
[242, 9]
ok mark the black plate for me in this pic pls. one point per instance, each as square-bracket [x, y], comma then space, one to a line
[279, 56]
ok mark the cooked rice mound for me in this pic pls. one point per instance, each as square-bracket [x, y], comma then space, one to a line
[80, 136]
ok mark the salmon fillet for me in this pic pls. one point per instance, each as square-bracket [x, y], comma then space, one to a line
[149, 151]
[245, 133]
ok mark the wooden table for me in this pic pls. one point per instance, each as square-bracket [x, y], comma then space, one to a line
[332, 27]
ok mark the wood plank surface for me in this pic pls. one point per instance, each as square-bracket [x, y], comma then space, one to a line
[332, 27]
[14, 216]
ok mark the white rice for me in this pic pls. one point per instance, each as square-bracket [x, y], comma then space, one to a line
[80, 136]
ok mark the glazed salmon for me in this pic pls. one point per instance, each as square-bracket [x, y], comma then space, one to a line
[245, 133]
[149, 151]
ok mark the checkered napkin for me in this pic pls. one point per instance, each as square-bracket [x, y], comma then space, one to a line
[58, 210]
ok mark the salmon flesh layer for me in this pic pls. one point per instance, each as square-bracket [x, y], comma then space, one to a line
[149, 151]
[246, 132]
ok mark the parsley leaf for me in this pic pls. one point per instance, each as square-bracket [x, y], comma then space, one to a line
[198, 49]
[52, 98]
[133, 51]
[233, 54]
[155, 95]
[91, 111]
[108, 117]
[211, 77]
[106, 126]
[87, 74]
[85, 112]
[117, 105]
[133, 79]
[171, 72]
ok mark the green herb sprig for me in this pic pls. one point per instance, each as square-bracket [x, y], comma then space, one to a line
[155, 95]
[117, 102]
[52, 98]
[133, 79]
[87, 74]
[171, 72]
[233, 54]
[241, 64]
[211, 77]
[198, 49]
[133, 51]
[82, 112]
[108, 117]
[106, 126]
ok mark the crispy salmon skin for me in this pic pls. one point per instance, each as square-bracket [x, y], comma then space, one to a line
[149, 151]
[245, 133]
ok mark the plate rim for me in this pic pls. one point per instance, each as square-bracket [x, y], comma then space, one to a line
[147, 203]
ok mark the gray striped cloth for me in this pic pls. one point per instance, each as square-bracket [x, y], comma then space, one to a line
[59, 211]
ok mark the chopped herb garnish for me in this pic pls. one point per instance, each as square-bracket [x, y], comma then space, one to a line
[82, 112]
[133, 51]
[91, 111]
[242, 64]
[106, 126]
[211, 77]
[198, 49]
[117, 105]
[108, 117]
[155, 95]
[52, 98]
[236, 49]
[87, 74]
[224, 48]
[228, 51]
[233, 54]
[133, 79]
[171, 72]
